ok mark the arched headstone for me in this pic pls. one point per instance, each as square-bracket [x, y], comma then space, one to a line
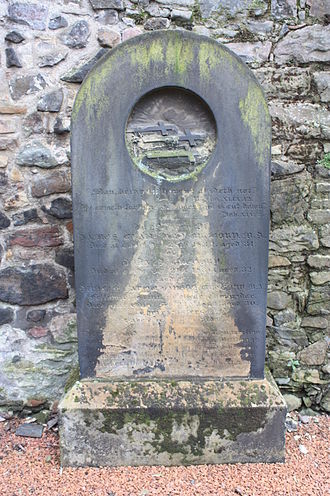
[170, 167]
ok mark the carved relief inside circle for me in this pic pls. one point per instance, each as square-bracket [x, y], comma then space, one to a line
[171, 134]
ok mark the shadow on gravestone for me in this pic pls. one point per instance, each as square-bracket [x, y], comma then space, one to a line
[170, 165]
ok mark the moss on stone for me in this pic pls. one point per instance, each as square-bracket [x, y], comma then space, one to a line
[72, 378]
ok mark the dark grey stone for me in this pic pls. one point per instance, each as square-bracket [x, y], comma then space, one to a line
[25, 85]
[11, 58]
[36, 315]
[280, 169]
[77, 75]
[51, 102]
[107, 4]
[33, 285]
[61, 208]
[77, 35]
[6, 315]
[14, 37]
[32, 14]
[65, 257]
[36, 155]
[57, 22]
[59, 128]
[29, 430]
[4, 221]
[22, 218]
[3, 181]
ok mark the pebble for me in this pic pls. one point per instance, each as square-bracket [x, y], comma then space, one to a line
[29, 430]
[303, 449]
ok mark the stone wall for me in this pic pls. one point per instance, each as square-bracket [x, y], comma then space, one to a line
[47, 49]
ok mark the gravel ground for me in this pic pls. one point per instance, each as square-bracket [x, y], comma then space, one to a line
[31, 467]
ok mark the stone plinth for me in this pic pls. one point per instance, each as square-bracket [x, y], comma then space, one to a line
[172, 423]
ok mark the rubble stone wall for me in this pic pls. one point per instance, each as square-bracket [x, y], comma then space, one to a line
[47, 48]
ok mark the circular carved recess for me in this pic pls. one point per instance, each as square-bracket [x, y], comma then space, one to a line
[171, 134]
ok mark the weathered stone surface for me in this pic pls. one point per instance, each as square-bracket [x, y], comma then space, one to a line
[289, 199]
[7, 107]
[56, 182]
[293, 238]
[182, 16]
[131, 33]
[188, 423]
[8, 125]
[305, 119]
[322, 81]
[309, 44]
[107, 4]
[57, 22]
[108, 38]
[33, 124]
[4, 221]
[32, 14]
[65, 257]
[14, 37]
[51, 102]
[6, 315]
[278, 261]
[36, 155]
[37, 332]
[157, 23]
[325, 236]
[26, 85]
[325, 402]
[52, 58]
[228, 7]
[252, 52]
[29, 430]
[283, 9]
[76, 75]
[61, 208]
[314, 354]
[35, 315]
[33, 285]
[319, 261]
[292, 402]
[22, 218]
[280, 168]
[314, 322]
[319, 216]
[77, 35]
[319, 300]
[277, 300]
[286, 316]
[108, 17]
[285, 82]
[319, 9]
[12, 59]
[42, 237]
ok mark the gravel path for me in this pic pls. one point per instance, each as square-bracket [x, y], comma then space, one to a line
[31, 467]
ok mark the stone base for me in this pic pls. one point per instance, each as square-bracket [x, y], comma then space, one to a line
[172, 423]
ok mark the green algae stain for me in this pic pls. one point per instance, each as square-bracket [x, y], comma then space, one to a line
[255, 115]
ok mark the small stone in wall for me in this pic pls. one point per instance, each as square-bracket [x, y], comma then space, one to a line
[12, 58]
[292, 402]
[32, 14]
[309, 44]
[22, 218]
[108, 38]
[4, 221]
[35, 315]
[36, 155]
[107, 4]
[252, 52]
[283, 9]
[280, 168]
[42, 237]
[61, 208]
[37, 332]
[26, 85]
[156, 23]
[65, 258]
[6, 315]
[14, 37]
[61, 126]
[322, 81]
[51, 102]
[56, 182]
[33, 124]
[77, 74]
[278, 300]
[107, 17]
[52, 58]
[77, 35]
[131, 33]
[57, 22]
[314, 354]
[34, 285]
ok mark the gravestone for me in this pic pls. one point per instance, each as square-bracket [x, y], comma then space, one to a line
[170, 164]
